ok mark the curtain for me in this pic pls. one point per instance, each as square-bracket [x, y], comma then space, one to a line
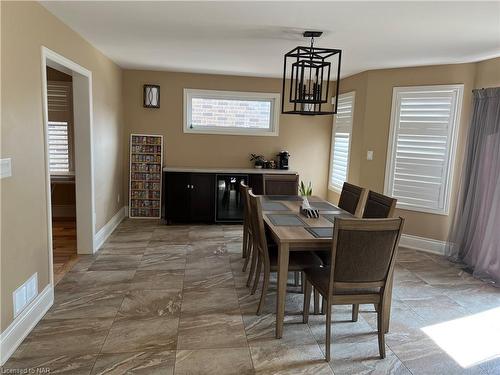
[474, 237]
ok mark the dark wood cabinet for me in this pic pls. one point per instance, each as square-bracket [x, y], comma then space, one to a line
[202, 197]
[281, 184]
[189, 197]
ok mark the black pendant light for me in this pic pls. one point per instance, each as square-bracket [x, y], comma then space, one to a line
[314, 74]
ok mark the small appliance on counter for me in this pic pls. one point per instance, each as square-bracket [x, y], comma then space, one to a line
[283, 157]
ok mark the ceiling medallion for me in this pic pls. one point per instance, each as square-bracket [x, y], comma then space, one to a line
[308, 84]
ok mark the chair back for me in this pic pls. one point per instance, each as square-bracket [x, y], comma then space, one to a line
[351, 199]
[379, 206]
[244, 189]
[258, 229]
[363, 252]
[281, 184]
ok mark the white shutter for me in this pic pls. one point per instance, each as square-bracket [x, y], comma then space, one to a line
[59, 130]
[421, 146]
[341, 141]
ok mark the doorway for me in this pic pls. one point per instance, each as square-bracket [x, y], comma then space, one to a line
[67, 106]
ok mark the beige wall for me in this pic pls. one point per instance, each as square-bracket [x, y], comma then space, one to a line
[488, 73]
[372, 122]
[25, 27]
[306, 138]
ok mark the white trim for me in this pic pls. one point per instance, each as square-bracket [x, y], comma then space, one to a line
[452, 145]
[332, 141]
[85, 220]
[234, 95]
[22, 325]
[109, 227]
[427, 245]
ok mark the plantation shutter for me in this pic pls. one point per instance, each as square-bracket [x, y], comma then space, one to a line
[341, 141]
[59, 127]
[423, 128]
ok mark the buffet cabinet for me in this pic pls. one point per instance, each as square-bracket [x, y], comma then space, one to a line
[193, 197]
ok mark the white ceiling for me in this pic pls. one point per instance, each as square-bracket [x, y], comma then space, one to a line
[250, 38]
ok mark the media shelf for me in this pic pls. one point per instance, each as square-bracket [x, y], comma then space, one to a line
[146, 157]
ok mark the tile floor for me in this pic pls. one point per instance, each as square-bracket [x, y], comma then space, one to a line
[165, 300]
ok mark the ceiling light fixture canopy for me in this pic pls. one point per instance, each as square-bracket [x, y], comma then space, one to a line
[309, 85]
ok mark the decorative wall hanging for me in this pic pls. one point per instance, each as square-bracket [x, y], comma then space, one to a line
[312, 79]
[151, 96]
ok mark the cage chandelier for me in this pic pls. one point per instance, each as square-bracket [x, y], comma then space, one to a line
[308, 89]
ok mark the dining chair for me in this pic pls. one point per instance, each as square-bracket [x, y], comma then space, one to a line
[362, 259]
[280, 184]
[267, 259]
[379, 206]
[352, 199]
[247, 237]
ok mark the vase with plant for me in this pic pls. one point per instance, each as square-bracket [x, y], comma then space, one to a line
[258, 160]
[305, 191]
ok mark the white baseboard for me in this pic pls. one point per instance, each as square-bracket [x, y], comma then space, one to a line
[62, 210]
[22, 325]
[108, 228]
[423, 244]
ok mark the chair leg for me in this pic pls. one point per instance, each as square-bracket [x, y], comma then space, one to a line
[248, 252]
[316, 302]
[244, 249]
[253, 256]
[328, 330]
[381, 331]
[265, 286]
[257, 275]
[355, 312]
[296, 281]
[302, 282]
[375, 307]
[307, 300]
[323, 306]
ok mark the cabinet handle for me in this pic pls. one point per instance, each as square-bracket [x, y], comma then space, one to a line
[187, 187]
[192, 187]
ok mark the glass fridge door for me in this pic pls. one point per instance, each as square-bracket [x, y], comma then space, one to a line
[229, 201]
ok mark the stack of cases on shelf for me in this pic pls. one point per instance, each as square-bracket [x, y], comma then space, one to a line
[146, 156]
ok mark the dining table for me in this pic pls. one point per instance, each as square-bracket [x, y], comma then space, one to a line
[292, 231]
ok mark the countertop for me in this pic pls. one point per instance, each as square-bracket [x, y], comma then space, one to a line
[228, 170]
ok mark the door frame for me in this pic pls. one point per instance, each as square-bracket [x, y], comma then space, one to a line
[83, 151]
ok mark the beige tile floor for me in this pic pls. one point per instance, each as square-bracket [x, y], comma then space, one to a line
[165, 300]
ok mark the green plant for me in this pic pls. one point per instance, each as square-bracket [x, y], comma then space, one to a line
[304, 190]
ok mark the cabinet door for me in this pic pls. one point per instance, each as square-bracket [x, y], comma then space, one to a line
[178, 193]
[281, 184]
[202, 197]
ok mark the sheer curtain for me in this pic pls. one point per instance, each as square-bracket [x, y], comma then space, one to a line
[474, 237]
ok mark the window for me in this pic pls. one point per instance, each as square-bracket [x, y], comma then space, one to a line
[226, 112]
[341, 141]
[59, 128]
[422, 142]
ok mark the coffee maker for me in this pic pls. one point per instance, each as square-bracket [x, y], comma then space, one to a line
[283, 157]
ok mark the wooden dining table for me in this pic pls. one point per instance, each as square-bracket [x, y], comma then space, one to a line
[294, 232]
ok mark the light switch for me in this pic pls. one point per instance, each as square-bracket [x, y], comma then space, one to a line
[5, 167]
[369, 155]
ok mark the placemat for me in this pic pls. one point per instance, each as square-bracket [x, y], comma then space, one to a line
[323, 206]
[274, 206]
[283, 197]
[321, 232]
[337, 214]
[287, 220]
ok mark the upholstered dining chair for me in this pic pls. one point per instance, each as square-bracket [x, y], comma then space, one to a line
[352, 199]
[268, 257]
[362, 259]
[379, 206]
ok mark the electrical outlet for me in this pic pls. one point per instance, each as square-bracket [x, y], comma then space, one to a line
[26, 293]
[369, 155]
[5, 167]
